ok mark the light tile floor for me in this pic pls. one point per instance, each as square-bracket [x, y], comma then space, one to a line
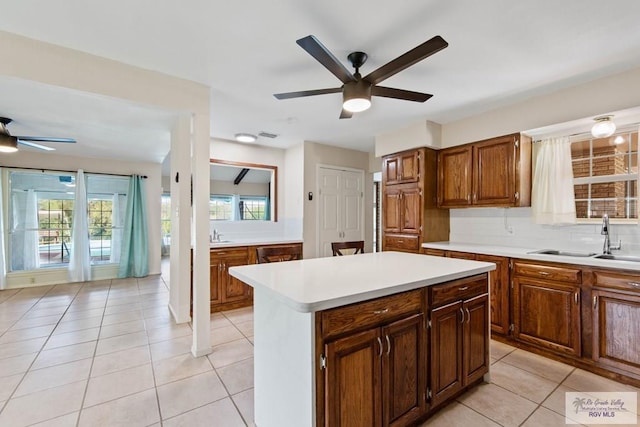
[106, 353]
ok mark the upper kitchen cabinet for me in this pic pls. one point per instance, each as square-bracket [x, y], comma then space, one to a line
[402, 167]
[410, 215]
[495, 172]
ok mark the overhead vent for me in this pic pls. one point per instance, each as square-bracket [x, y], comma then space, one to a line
[268, 135]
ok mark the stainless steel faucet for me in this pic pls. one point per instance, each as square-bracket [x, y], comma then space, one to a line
[607, 248]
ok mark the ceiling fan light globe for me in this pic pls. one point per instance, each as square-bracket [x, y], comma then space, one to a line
[8, 144]
[356, 105]
[603, 127]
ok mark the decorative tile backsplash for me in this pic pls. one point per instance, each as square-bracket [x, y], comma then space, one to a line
[514, 227]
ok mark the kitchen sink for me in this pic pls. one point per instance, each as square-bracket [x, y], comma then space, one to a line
[618, 257]
[564, 253]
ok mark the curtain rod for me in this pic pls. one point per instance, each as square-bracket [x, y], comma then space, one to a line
[67, 171]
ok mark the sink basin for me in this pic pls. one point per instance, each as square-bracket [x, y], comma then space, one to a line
[619, 257]
[564, 253]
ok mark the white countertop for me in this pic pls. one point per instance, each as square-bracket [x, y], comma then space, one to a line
[320, 283]
[253, 242]
[524, 253]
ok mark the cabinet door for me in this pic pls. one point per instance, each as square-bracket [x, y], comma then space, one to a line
[352, 380]
[403, 370]
[214, 282]
[494, 172]
[616, 328]
[547, 314]
[391, 170]
[231, 288]
[454, 177]
[498, 293]
[476, 339]
[446, 352]
[410, 166]
[391, 216]
[411, 210]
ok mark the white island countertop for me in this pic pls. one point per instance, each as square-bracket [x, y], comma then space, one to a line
[316, 284]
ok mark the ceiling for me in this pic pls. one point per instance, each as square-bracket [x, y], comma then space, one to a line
[499, 52]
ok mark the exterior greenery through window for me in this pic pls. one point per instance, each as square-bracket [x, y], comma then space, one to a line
[221, 208]
[41, 236]
[605, 176]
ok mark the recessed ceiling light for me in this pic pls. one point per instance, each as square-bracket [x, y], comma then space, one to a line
[245, 137]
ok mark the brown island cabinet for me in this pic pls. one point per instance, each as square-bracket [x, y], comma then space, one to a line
[378, 339]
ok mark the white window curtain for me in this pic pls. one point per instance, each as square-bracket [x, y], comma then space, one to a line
[3, 261]
[30, 248]
[80, 257]
[235, 207]
[552, 198]
[116, 230]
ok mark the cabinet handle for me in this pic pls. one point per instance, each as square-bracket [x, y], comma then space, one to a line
[595, 301]
[383, 311]
[634, 284]
[388, 344]
[461, 315]
[464, 288]
[575, 297]
[380, 344]
[543, 273]
[468, 315]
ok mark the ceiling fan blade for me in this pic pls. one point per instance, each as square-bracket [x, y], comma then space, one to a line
[407, 95]
[326, 58]
[45, 139]
[406, 60]
[344, 114]
[300, 94]
[34, 145]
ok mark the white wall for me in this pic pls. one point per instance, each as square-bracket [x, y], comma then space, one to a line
[318, 154]
[513, 227]
[153, 190]
[421, 134]
[294, 189]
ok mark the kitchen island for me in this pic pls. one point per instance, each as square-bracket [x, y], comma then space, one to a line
[307, 312]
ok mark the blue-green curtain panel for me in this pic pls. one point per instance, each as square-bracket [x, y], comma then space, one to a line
[134, 255]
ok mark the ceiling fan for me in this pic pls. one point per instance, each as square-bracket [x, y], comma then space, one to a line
[9, 143]
[357, 90]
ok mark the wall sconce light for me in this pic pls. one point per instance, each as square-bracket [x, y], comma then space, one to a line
[603, 127]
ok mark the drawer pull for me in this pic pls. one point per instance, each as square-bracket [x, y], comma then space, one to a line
[543, 273]
[380, 344]
[464, 288]
[384, 311]
[634, 284]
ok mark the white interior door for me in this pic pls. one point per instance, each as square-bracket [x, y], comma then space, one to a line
[341, 207]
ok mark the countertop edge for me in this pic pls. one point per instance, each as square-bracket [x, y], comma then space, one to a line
[523, 253]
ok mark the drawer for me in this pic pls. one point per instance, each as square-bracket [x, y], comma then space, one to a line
[458, 290]
[402, 243]
[371, 313]
[461, 255]
[548, 272]
[614, 279]
[228, 252]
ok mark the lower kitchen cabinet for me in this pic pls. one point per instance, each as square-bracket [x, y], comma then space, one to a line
[616, 321]
[375, 376]
[225, 288]
[546, 307]
[459, 336]
[374, 362]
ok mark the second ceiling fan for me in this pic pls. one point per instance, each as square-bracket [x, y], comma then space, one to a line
[357, 90]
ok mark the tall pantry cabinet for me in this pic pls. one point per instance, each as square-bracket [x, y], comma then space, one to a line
[410, 215]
